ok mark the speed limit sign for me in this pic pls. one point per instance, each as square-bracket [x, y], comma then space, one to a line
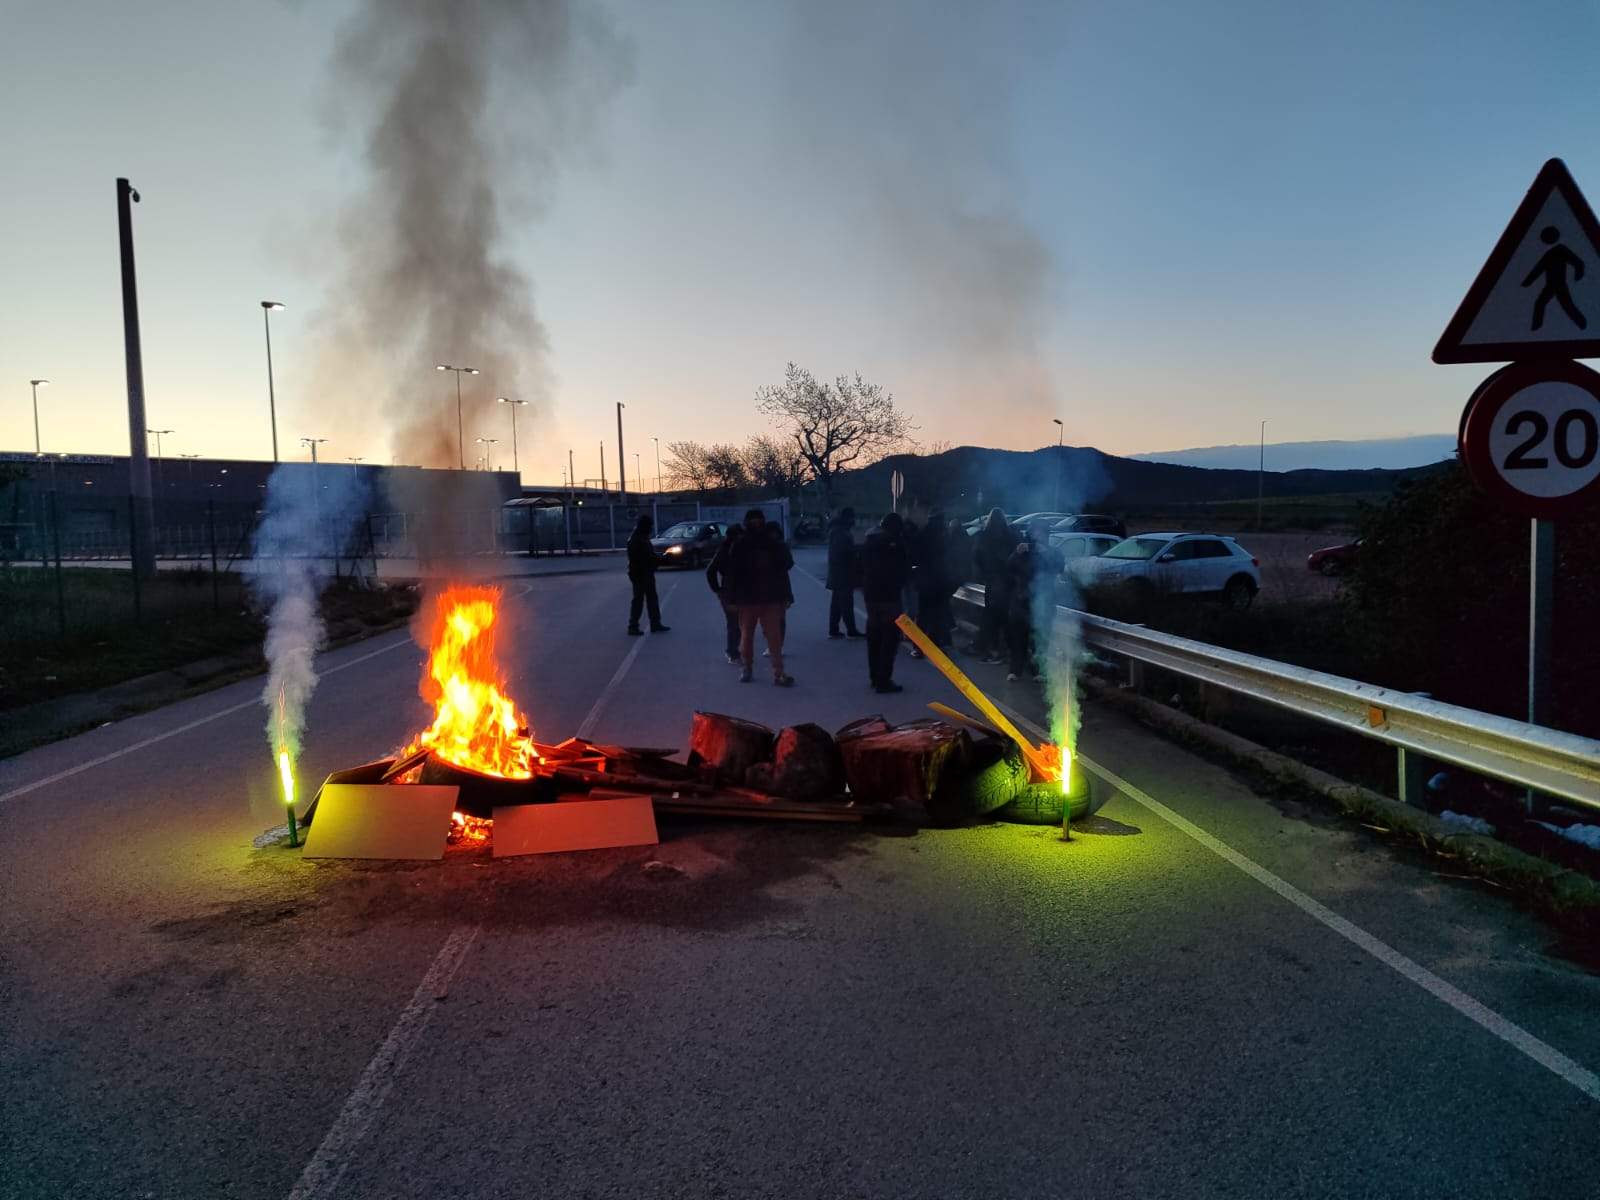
[1531, 438]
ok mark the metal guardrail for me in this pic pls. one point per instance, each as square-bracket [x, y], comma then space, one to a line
[1530, 756]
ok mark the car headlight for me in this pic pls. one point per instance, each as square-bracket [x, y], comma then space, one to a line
[674, 549]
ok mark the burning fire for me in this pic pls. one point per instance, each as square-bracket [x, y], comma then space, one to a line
[475, 725]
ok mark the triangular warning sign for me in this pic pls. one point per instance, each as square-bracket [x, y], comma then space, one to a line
[1538, 296]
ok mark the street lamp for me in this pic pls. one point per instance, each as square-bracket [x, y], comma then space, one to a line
[1061, 433]
[515, 404]
[622, 469]
[1261, 474]
[638, 473]
[268, 307]
[657, 441]
[487, 461]
[36, 384]
[190, 458]
[461, 453]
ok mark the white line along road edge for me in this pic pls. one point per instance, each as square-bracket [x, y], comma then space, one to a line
[327, 1166]
[1547, 1056]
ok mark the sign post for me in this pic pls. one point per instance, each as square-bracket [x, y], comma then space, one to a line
[1530, 435]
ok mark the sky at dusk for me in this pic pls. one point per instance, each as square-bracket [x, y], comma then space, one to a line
[1160, 222]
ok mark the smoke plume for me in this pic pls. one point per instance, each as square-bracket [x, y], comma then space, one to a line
[908, 108]
[465, 113]
[304, 526]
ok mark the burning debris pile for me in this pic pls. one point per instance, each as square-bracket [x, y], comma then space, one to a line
[477, 773]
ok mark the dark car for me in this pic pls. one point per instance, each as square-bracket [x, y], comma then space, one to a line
[1333, 560]
[1090, 523]
[688, 543]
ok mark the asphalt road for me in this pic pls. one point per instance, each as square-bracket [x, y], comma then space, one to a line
[796, 1011]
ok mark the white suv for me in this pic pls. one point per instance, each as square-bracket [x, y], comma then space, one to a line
[1177, 562]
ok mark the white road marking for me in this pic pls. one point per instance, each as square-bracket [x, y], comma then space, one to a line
[327, 1166]
[593, 719]
[253, 702]
[1547, 1056]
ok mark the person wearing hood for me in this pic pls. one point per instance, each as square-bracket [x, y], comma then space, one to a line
[757, 582]
[717, 577]
[991, 558]
[642, 574]
[931, 577]
[841, 582]
[885, 570]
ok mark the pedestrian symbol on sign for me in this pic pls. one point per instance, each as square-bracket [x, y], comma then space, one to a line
[1553, 267]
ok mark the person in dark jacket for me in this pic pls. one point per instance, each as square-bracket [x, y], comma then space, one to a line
[885, 569]
[642, 574]
[991, 558]
[717, 577]
[757, 580]
[931, 578]
[841, 581]
[1032, 571]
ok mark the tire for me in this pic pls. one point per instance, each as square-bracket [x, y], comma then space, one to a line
[1240, 593]
[1330, 568]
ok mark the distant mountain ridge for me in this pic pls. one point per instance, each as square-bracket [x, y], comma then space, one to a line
[1388, 454]
[1073, 478]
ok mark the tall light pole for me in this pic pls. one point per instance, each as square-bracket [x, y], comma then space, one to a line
[461, 437]
[657, 441]
[268, 307]
[316, 488]
[602, 465]
[354, 461]
[1261, 474]
[622, 473]
[190, 477]
[515, 404]
[487, 444]
[36, 384]
[638, 473]
[1061, 433]
[143, 555]
[313, 443]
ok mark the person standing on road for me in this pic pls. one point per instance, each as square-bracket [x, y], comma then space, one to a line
[717, 577]
[842, 575]
[883, 580]
[757, 576]
[642, 574]
[990, 560]
[1032, 569]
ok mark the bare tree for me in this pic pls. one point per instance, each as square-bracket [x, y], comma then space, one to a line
[773, 463]
[725, 466]
[686, 466]
[837, 425]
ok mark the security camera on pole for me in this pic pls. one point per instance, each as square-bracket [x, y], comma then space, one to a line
[1530, 434]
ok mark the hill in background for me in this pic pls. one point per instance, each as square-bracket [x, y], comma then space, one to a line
[971, 479]
[1382, 453]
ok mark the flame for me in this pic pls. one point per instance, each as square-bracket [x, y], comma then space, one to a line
[286, 773]
[475, 725]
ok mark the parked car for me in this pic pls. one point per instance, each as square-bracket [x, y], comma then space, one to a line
[1333, 560]
[1190, 563]
[1091, 523]
[1074, 546]
[688, 543]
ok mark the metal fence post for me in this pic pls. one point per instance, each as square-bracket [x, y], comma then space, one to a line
[211, 521]
[1411, 768]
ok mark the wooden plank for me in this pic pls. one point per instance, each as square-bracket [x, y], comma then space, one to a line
[961, 718]
[574, 825]
[381, 820]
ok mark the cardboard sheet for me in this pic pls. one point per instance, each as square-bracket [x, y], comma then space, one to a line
[574, 825]
[369, 820]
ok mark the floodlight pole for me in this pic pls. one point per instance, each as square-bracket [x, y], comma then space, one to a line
[622, 470]
[142, 551]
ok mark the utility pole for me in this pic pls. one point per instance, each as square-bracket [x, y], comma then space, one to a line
[602, 466]
[142, 550]
[1261, 475]
[515, 404]
[622, 470]
[657, 441]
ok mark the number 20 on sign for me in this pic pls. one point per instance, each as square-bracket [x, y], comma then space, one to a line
[1530, 438]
